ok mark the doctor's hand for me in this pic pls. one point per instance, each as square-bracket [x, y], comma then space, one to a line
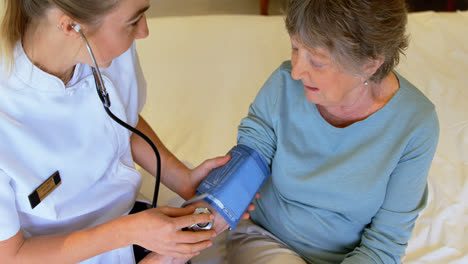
[160, 230]
[198, 174]
[220, 223]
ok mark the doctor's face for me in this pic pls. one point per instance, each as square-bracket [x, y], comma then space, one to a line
[118, 30]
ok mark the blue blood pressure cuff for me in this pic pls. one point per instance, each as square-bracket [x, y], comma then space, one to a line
[232, 187]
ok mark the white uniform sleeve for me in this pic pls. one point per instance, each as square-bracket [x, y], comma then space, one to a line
[9, 220]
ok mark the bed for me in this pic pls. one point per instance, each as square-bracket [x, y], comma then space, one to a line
[204, 71]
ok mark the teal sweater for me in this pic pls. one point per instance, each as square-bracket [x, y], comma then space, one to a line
[341, 195]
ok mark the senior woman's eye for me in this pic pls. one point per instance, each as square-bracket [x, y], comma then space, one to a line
[317, 64]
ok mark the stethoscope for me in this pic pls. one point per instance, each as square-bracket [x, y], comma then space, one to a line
[104, 96]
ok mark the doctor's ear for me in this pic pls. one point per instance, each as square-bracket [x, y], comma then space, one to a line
[68, 27]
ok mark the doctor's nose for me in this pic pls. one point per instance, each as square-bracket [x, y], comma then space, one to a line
[142, 30]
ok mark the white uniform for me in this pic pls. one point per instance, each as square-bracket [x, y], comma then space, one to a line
[46, 127]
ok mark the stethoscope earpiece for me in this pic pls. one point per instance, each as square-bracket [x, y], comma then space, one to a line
[76, 27]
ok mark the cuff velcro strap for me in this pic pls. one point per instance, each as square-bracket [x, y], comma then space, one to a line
[232, 187]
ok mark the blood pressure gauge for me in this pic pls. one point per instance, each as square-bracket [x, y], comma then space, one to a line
[201, 226]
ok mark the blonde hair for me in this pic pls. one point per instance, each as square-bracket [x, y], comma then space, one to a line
[353, 31]
[18, 14]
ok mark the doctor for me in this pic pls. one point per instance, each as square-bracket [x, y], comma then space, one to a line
[67, 175]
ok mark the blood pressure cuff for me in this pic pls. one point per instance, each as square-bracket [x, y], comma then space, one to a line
[232, 187]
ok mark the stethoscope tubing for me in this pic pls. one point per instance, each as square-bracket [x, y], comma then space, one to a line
[104, 96]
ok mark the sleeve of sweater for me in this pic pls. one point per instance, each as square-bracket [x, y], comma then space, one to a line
[257, 130]
[385, 239]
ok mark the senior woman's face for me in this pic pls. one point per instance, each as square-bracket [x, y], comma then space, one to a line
[324, 83]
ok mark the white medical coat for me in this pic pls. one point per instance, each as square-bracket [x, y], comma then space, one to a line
[46, 126]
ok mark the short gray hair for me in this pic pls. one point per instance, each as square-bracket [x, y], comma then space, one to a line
[353, 31]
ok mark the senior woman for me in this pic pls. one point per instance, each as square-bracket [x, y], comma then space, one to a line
[59, 146]
[348, 139]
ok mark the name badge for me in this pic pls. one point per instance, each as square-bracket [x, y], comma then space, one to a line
[47, 187]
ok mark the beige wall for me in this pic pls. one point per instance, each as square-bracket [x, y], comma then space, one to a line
[204, 7]
[1, 8]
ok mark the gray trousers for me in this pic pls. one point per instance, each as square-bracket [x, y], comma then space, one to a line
[250, 243]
